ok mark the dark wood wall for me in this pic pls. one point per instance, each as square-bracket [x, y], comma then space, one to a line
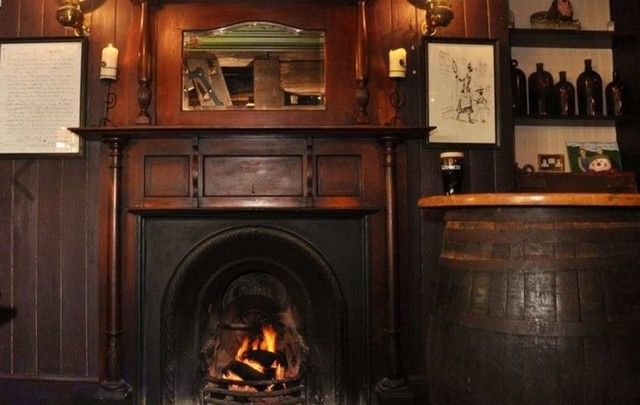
[49, 229]
[49, 234]
[486, 170]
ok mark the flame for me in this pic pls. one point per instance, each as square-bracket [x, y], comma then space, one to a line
[269, 337]
[244, 346]
[266, 341]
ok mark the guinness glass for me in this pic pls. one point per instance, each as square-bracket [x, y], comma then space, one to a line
[451, 168]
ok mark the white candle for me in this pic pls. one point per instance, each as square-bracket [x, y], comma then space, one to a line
[109, 64]
[397, 62]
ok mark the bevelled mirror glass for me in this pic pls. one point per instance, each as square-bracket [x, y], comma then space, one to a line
[253, 66]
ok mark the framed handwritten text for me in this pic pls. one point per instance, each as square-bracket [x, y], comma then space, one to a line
[462, 91]
[42, 93]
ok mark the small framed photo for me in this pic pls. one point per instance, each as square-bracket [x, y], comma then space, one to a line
[42, 88]
[551, 163]
[462, 90]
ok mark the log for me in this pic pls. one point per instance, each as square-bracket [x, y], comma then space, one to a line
[245, 371]
[264, 357]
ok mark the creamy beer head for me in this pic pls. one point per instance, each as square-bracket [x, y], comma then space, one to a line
[451, 169]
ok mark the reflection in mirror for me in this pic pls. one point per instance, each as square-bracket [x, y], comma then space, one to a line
[253, 65]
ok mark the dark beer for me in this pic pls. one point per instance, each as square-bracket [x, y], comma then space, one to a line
[451, 168]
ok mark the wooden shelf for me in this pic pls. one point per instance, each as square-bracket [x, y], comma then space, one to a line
[574, 121]
[540, 38]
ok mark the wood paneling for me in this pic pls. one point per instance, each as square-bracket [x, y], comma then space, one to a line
[74, 273]
[260, 176]
[49, 266]
[53, 239]
[394, 24]
[166, 176]
[6, 261]
[10, 17]
[25, 268]
[160, 175]
[48, 269]
[339, 175]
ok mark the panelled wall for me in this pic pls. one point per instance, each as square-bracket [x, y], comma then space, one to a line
[486, 170]
[49, 229]
[50, 235]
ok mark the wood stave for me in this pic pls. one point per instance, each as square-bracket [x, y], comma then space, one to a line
[563, 340]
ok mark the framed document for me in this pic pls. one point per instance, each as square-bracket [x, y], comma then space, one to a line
[42, 94]
[462, 91]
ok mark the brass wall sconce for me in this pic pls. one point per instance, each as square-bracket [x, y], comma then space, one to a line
[70, 15]
[439, 14]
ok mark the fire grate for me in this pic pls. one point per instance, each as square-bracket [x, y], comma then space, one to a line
[288, 391]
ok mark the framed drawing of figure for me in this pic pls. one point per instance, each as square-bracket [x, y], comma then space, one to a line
[462, 91]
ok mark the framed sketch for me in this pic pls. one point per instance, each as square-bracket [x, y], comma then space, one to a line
[43, 93]
[462, 89]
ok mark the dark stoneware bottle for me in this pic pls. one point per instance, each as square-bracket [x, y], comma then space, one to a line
[564, 97]
[615, 96]
[589, 86]
[540, 91]
[518, 89]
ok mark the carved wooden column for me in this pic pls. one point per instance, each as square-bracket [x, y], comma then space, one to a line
[114, 387]
[144, 65]
[392, 389]
[362, 66]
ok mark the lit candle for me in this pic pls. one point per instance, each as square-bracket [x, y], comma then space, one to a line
[109, 64]
[397, 62]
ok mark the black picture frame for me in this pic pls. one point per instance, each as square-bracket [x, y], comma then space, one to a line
[62, 78]
[462, 92]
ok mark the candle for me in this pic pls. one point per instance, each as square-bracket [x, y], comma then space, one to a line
[109, 64]
[397, 62]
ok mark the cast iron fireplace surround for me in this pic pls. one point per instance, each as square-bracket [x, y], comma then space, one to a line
[187, 264]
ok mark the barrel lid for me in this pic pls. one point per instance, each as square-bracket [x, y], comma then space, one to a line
[451, 155]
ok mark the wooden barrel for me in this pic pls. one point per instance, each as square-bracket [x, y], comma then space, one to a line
[537, 305]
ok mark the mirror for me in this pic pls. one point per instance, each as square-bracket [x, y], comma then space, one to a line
[253, 66]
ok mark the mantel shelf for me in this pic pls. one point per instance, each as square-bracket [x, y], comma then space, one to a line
[541, 38]
[218, 211]
[359, 131]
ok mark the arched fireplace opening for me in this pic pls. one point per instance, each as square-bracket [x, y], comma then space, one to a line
[253, 313]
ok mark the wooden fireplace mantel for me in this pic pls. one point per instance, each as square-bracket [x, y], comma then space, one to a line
[347, 131]
[187, 170]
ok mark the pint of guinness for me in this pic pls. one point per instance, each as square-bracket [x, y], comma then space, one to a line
[451, 168]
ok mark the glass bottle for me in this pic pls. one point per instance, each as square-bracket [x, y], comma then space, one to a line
[518, 89]
[540, 91]
[589, 87]
[615, 97]
[565, 97]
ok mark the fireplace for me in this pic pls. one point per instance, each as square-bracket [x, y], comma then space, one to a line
[216, 234]
[255, 309]
[253, 346]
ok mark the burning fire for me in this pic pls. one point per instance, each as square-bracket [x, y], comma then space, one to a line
[260, 354]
